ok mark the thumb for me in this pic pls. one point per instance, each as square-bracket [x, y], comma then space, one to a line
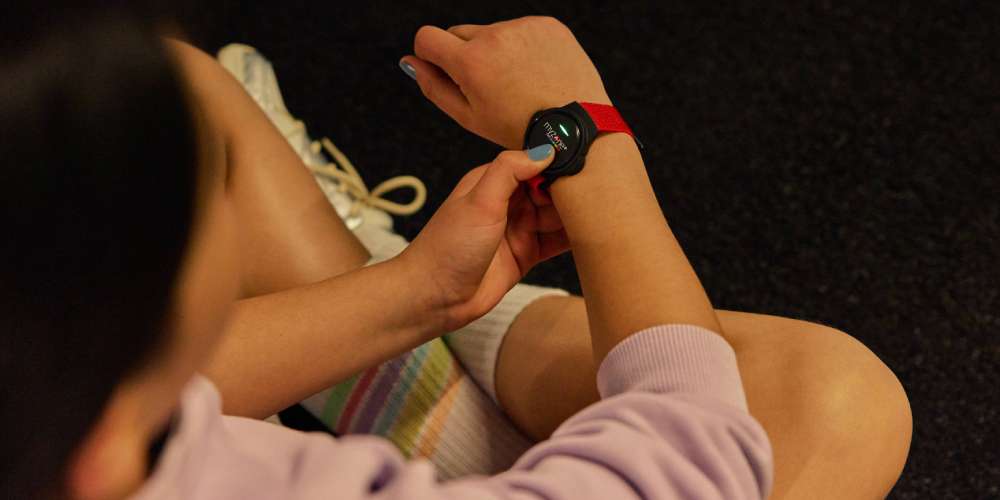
[505, 174]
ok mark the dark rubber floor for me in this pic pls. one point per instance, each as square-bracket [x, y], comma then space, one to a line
[831, 161]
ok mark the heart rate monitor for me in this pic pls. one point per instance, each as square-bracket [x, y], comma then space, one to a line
[571, 130]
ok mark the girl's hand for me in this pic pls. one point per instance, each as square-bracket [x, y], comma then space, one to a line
[492, 78]
[485, 236]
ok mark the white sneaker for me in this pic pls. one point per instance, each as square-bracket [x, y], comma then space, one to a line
[338, 179]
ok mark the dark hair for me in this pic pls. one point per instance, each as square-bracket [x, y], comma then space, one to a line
[97, 170]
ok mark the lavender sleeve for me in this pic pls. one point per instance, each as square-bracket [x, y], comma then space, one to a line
[672, 423]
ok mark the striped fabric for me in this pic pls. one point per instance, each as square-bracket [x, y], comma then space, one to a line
[390, 408]
[428, 407]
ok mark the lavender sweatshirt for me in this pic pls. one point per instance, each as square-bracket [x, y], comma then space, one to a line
[672, 423]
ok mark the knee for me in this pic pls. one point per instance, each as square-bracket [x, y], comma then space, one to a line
[855, 404]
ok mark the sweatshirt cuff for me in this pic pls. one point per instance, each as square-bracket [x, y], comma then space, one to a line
[673, 359]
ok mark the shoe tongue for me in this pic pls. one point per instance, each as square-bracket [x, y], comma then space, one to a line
[268, 84]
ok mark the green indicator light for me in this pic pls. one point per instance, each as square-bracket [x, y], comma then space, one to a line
[561, 127]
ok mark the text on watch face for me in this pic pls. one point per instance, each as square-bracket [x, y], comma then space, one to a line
[554, 138]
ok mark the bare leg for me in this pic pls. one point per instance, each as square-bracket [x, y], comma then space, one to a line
[290, 235]
[837, 418]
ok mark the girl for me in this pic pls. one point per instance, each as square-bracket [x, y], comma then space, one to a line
[296, 273]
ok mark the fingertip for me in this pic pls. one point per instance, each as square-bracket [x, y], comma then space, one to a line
[525, 164]
[466, 31]
[423, 32]
[422, 69]
[408, 68]
[544, 152]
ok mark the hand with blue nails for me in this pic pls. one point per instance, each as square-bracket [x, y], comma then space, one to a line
[492, 78]
[485, 237]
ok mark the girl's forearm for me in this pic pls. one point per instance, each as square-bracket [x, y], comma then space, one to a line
[283, 347]
[633, 272]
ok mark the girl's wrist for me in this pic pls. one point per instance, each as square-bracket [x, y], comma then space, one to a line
[426, 305]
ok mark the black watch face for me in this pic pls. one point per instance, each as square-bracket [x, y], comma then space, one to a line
[562, 132]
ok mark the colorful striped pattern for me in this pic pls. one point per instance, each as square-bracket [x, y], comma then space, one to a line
[407, 399]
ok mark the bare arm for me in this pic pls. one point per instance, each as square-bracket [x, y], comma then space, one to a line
[633, 272]
[285, 346]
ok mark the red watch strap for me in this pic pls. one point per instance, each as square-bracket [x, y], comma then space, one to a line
[607, 118]
[535, 183]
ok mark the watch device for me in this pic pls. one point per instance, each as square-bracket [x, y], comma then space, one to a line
[571, 130]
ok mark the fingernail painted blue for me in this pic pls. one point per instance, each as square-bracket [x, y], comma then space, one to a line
[408, 69]
[539, 153]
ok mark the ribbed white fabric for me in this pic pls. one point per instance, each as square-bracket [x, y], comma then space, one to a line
[477, 345]
[477, 437]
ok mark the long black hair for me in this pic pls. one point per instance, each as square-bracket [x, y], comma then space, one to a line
[97, 184]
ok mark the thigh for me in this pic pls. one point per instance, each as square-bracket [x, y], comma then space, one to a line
[290, 235]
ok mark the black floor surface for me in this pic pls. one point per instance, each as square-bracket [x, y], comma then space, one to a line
[836, 162]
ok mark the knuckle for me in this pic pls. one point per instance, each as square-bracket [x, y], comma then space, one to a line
[474, 174]
[421, 37]
[495, 36]
[506, 160]
[492, 34]
[547, 22]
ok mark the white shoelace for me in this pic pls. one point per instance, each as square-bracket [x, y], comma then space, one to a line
[349, 181]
